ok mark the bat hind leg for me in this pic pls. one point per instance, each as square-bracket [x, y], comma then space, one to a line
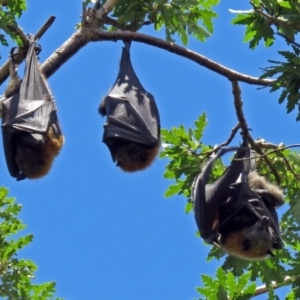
[35, 163]
[133, 157]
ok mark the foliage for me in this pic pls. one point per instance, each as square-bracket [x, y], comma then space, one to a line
[187, 156]
[289, 78]
[266, 17]
[225, 286]
[178, 16]
[9, 11]
[262, 23]
[16, 275]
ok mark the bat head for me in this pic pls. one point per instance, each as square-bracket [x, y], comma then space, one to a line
[131, 157]
[254, 242]
[36, 161]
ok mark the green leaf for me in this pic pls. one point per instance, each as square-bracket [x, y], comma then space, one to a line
[201, 124]
[284, 3]
[188, 207]
[173, 189]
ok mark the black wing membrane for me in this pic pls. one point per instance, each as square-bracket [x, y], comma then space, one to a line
[208, 197]
[132, 128]
[30, 130]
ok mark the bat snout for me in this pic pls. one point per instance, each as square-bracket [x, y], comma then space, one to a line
[265, 222]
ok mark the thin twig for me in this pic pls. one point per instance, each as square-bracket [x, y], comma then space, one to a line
[238, 104]
[107, 7]
[227, 142]
[4, 70]
[288, 39]
[110, 21]
[267, 145]
[276, 150]
[114, 23]
[44, 28]
[277, 21]
[289, 167]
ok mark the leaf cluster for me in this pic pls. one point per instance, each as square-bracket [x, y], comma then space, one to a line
[185, 151]
[225, 286]
[184, 17]
[16, 274]
[262, 22]
[288, 79]
[10, 10]
[267, 17]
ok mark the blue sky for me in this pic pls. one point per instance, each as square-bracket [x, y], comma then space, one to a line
[104, 234]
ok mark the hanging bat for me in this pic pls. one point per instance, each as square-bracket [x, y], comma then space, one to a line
[237, 212]
[30, 130]
[132, 128]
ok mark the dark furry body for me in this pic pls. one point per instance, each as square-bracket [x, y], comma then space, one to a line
[239, 217]
[132, 128]
[30, 128]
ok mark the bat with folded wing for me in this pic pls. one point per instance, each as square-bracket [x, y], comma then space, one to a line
[238, 211]
[132, 128]
[30, 129]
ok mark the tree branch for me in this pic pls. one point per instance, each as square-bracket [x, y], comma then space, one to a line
[77, 41]
[277, 21]
[107, 7]
[19, 32]
[264, 289]
[80, 38]
[288, 40]
[44, 28]
[99, 35]
[4, 70]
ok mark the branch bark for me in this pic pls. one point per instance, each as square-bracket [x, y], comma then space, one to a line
[99, 35]
[92, 34]
[238, 104]
[77, 41]
[4, 70]
[264, 289]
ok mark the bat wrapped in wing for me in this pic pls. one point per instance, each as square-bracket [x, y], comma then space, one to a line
[237, 212]
[30, 130]
[132, 128]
